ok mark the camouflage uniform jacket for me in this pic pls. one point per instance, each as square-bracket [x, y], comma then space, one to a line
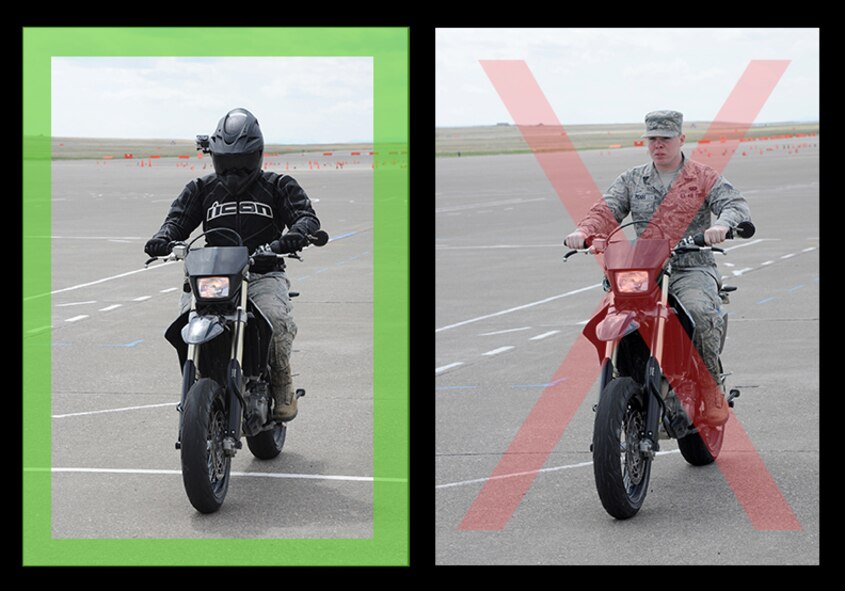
[640, 192]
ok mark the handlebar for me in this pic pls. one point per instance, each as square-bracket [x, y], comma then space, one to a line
[697, 242]
[690, 244]
[742, 230]
[179, 249]
[319, 238]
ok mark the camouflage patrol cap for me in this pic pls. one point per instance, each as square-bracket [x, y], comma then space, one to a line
[663, 124]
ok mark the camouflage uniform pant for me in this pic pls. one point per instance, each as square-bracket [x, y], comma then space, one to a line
[270, 293]
[698, 291]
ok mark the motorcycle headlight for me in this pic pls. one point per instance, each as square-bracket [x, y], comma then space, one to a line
[212, 287]
[632, 281]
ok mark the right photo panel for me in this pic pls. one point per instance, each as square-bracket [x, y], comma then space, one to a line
[627, 296]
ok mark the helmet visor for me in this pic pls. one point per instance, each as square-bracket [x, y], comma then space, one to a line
[239, 164]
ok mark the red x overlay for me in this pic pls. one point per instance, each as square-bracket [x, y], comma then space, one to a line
[739, 462]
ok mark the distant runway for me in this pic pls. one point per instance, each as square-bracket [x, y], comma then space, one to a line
[507, 312]
[116, 381]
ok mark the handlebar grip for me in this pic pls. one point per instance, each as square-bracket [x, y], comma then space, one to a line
[319, 238]
[698, 240]
[569, 254]
[742, 230]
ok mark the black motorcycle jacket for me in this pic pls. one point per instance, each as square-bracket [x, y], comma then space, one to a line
[258, 209]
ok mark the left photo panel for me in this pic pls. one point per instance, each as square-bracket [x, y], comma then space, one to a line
[215, 315]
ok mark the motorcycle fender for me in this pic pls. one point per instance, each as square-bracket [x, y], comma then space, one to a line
[201, 329]
[616, 325]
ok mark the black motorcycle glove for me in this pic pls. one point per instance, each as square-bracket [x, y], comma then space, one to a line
[290, 242]
[157, 247]
[265, 263]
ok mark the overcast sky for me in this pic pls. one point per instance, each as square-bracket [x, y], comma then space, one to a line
[295, 99]
[618, 75]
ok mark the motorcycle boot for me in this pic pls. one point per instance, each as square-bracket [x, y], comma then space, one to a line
[715, 405]
[284, 398]
[270, 293]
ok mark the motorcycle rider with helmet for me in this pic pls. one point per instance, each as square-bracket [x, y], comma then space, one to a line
[258, 205]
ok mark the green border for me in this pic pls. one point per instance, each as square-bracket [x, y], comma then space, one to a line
[389, 48]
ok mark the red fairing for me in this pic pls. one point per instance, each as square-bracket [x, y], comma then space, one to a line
[615, 325]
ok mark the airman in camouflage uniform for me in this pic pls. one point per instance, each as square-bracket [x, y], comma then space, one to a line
[697, 192]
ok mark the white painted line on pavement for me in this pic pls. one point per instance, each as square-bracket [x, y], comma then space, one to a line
[445, 367]
[179, 472]
[790, 255]
[499, 350]
[468, 206]
[92, 237]
[76, 318]
[98, 281]
[39, 329]
[487, 334]
[517, 308]
[108, 308]
[495, 246]
[76, 303]
[141, 299]
[168, 290]
[517, 474]
[544, 335]
[741, 271]
[744, 244]
[125, 408]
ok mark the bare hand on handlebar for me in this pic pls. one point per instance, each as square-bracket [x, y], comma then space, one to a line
[581, 242]
[742, 230]
[715, 235]
[576, 240]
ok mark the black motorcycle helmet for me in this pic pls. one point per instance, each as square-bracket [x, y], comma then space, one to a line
[237, 146]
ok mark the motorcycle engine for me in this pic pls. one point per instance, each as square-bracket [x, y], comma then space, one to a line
[257, 410]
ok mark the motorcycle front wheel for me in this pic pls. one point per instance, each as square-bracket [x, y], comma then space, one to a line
[205, 466]
[621, 471]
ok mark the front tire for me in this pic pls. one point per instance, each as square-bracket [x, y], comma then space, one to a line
[205, 466]
[621, 471]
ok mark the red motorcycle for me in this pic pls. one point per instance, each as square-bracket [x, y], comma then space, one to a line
[651, 376]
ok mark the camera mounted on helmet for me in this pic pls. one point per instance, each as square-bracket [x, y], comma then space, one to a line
[202, 144]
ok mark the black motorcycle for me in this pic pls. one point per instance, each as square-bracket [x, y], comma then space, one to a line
[223, 345]
[651, 382]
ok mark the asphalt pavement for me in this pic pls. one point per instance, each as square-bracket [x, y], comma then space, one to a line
[116, 381]
[507, 312]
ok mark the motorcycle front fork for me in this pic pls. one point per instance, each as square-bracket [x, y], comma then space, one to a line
[653, 379]
[234, 379]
